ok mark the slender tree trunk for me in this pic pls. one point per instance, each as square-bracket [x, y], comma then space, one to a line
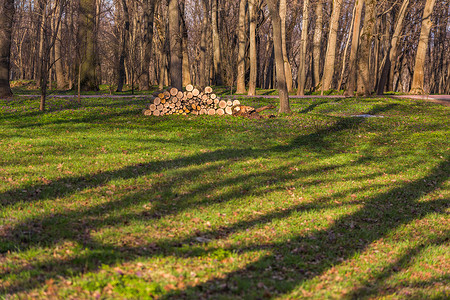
[330, 57]
[287, 65]
[392, 53]
[347, 45]
[123, 51]
[303, 47]
[176, 56]
[317, 40]
[60, 78]
[364, 76]
[184, 48]
[6, 20]
[88, 49]
[274, 9]
[252, 6]
[240, 82]
[148, 17]
[351, 85]
[216, 43]
[419, 74]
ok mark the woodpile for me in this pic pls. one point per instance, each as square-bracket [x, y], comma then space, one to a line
[192, 101]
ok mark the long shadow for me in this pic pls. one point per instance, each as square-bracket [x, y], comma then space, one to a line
[324, 249]
[312, 106]
[406, 260]
[70, 185]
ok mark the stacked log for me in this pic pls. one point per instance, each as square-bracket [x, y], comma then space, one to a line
[191, 101]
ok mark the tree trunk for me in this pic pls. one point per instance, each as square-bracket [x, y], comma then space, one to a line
[123, 51]
[274, 9]
[216, 43]
[364, 82]
[6, 20]
[176, 56]
[88, 49]
[184, 43]
[240, 81]
[303, 46]
[317, 40]
[330, 57]
[344, 56]
[351, 85]
[252, 7]
[287, 65]
[60, 77]
[418, 77]
[392, 51]
[148, 17]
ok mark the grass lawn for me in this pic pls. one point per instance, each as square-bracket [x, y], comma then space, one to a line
[101, 202]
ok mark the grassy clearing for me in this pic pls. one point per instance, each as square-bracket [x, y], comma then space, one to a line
[99, 201]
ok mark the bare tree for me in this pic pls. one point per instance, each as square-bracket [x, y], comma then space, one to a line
[6, 21]
[417, 86]
[87, 39]
[317, 41]
[148, 16]
[252, 7]
[391, 55]
[330, 57]
[364, 76]
[242, 44]
[274, 9]
[176, 56]
[303, 46]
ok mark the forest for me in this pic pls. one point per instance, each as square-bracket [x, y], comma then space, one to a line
[354, 47]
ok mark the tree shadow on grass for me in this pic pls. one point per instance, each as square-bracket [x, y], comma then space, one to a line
[305, 257]
[81, 222]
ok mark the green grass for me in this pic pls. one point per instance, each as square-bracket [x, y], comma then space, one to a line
[99, 201]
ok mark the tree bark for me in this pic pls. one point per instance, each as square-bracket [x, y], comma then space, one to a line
[252, 7]
[392, 53]
[364, 76]
[124, 40]
[184, 48]
[274, 9]
[418, 77]
[240, 81]
[351, 85]
[330, 57]
[303, 47]
[6, 20]
[88, 49]
[287, 65]
[148, 17]
[176, 56]
[216, 43]
[317, 40]
[61, 82]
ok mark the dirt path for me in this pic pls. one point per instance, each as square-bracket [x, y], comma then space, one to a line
[440, 99]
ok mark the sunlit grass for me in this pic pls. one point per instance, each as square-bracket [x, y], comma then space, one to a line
[99, 201]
